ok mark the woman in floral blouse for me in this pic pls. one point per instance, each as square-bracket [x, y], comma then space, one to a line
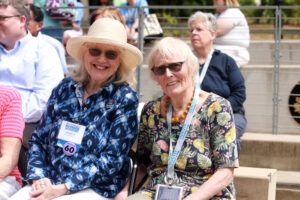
[208, 155]
[79, 149]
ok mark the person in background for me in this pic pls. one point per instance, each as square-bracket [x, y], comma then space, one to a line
[80, 148]
[76, 30]
[35, 25]
[223, 76]
[232, 35]
[109, 11]
[132, 18]
[196, 124]
[11, 132]
[99, 3]
[27, 64]
[52, 27]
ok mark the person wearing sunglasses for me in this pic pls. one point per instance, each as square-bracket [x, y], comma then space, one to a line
[223, 76]
[186, 140]
[80, 148]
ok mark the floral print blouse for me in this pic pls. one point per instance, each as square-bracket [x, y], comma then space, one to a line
[209, 144]
[101, 163]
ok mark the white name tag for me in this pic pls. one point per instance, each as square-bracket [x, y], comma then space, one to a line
[166, 192]
[71, 132]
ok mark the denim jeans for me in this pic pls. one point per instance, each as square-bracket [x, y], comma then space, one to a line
[240, 126]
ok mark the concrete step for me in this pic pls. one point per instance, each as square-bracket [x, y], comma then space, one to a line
[287, 194]
[279, 152]
[265, 184]
[255, 183]
[288, 180]
[262, 52]
[288, 185]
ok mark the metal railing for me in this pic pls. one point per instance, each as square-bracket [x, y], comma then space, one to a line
[271, 75]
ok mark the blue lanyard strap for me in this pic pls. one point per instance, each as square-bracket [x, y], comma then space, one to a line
[205, 67]
[173, 155]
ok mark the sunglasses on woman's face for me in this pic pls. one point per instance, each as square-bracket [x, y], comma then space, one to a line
[173, 67]
[109, 54]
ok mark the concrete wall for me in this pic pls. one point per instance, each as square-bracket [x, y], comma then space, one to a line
[262, 52]
[259, 103]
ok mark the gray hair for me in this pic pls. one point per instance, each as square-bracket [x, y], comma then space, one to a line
[122, 76]
[21, 7]
[208, 19]
[169, 47]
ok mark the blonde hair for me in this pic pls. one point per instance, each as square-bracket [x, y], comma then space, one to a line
[123, 75]
[169, 47]
[109, 12]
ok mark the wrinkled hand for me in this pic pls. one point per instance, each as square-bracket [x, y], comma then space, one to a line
[42, 189]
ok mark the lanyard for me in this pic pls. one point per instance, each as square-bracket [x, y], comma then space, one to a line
[173, 155]
[205, 67]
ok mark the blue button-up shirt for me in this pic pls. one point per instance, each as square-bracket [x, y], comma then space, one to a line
[101, 163]
[131, 14]
[33, 68]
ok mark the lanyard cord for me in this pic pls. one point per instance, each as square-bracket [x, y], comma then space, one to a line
[173, 155]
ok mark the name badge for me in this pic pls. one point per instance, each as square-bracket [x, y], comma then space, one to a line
[166, 192]
[70, 137]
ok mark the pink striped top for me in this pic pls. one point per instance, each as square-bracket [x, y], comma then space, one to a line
[11, 118]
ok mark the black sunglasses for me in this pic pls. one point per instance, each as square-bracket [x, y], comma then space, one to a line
[110, 54]
[173, 67]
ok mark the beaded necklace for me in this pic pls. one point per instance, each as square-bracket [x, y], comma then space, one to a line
[182, 116]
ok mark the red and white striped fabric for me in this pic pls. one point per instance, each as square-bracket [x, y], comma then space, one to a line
[11, 118]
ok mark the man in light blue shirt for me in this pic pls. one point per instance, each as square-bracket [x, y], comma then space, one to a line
[26, 63]
[35, 25]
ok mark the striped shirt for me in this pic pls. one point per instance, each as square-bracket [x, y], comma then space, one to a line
[11, 118]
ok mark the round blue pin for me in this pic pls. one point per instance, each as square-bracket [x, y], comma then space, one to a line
[69, 148]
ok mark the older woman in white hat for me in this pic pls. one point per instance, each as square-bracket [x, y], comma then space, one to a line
[79, 149]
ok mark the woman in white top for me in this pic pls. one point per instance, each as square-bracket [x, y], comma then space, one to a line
[232, 32]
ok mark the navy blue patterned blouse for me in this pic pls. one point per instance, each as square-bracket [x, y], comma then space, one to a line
[111, 124]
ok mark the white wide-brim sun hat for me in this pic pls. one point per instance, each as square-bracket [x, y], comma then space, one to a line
[107, 31]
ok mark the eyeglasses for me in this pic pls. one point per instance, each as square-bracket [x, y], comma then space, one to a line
[110, 54]
[3, 18]
[173, 67]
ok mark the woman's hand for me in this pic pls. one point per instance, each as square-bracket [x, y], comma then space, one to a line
[42, 189]
[213, 187]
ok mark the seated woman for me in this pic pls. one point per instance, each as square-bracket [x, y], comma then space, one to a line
[11, 133]
[79, 149]
[186, 137]
[223, 76]
[232, 35]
